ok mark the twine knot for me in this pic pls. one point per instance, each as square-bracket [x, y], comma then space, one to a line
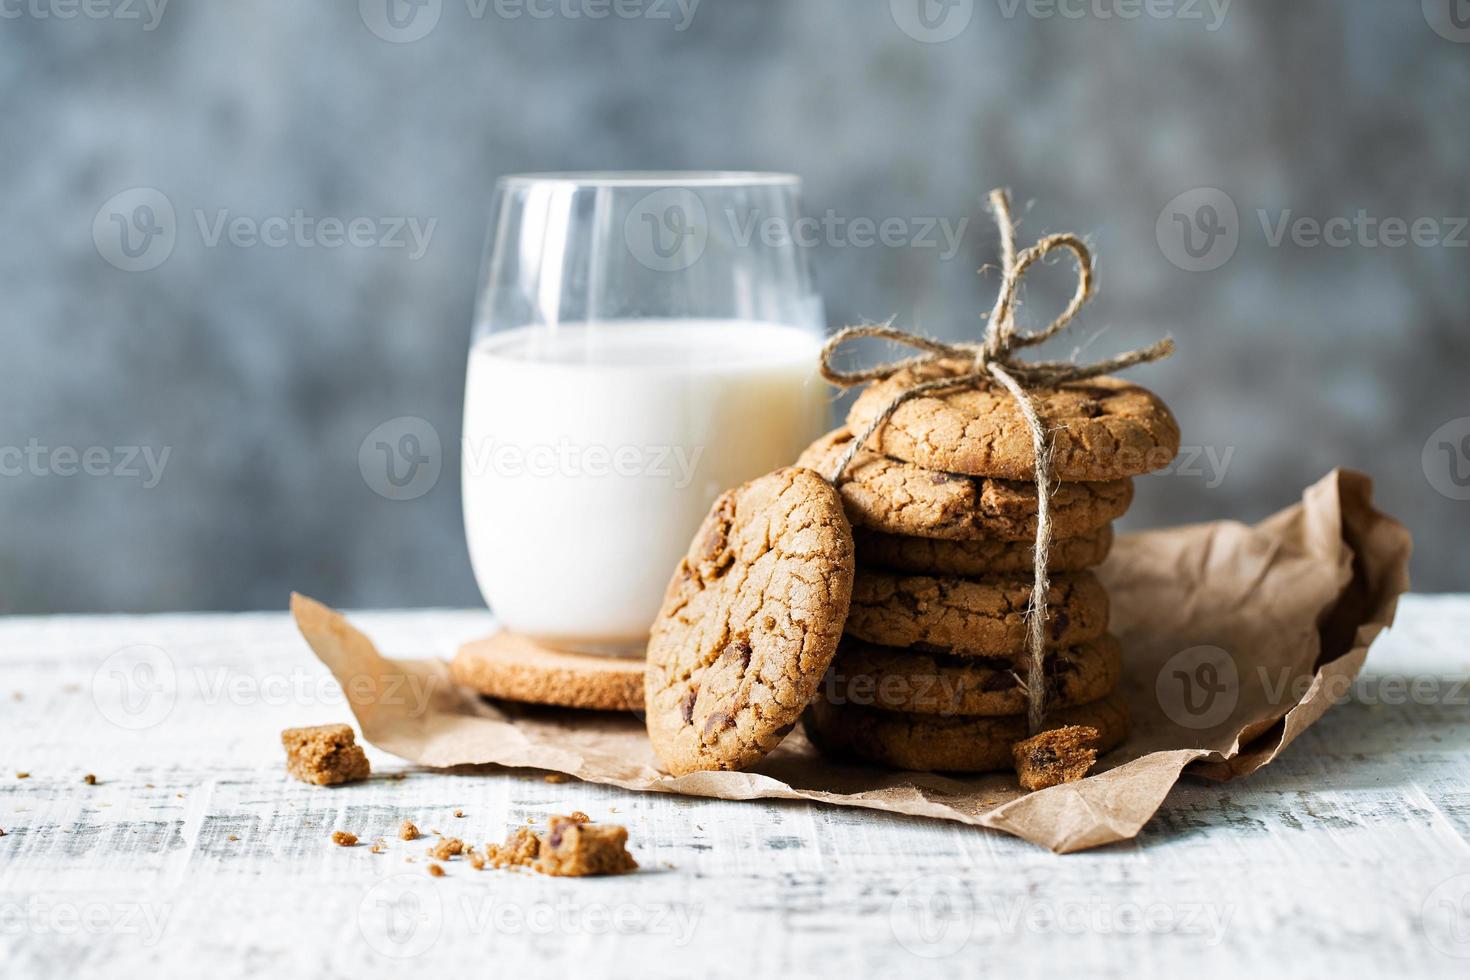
[996, 360]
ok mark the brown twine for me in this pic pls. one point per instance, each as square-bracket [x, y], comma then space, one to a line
[995, 361]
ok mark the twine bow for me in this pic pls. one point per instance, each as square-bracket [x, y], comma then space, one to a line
[995, 360]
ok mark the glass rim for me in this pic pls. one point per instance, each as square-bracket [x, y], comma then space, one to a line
[654, 178]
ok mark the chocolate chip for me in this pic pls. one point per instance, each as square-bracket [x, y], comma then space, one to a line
[717, 722]
[687, 705]
[1059, 625]
[939, 479]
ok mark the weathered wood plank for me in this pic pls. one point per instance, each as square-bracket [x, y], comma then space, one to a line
[1351, 853]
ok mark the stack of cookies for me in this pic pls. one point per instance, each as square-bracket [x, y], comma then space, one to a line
[929, 674]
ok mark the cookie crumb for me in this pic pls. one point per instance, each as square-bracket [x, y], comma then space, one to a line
[435, 871]
[557, 777]
[477, 861]
[2, 831]
[459, 813]
[398, 776]
[324, 755]
[520, 849]
[407, 831]
[89, 779]
[572, 848]
[377, 849]
[579, 817]
[1061, 755]
[446, 848]
[232, 837]
[343, 838]
[22, 775]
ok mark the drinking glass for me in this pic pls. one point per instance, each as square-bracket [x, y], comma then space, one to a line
[642, 342]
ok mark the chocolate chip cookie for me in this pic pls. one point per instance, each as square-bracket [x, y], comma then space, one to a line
[907, 680]
[981, 556]
[890, 495]
[750, 622]
[1100, 429]
[508, 665]
[904, 740]
[972, 617]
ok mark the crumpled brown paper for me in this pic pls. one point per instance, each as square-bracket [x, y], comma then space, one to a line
[1235, 638]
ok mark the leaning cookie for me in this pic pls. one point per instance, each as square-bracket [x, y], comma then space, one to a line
[512, 667]
[972, 617]
[1100, 429]
[889, 495]
[982, 556]
[906, 680]
[958, 744]
[750, 622]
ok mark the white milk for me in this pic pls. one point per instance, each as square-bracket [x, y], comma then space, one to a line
[592, 454]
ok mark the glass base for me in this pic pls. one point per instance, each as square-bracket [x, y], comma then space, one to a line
[626, 649]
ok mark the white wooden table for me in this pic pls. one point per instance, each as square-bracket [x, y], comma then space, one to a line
[195, 856]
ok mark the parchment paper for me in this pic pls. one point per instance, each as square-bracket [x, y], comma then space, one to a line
[1235, 639]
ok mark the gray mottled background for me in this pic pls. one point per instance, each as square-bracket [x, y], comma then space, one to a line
[261, 369]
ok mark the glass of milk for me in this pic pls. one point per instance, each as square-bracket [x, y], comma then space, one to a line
[642, 342]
